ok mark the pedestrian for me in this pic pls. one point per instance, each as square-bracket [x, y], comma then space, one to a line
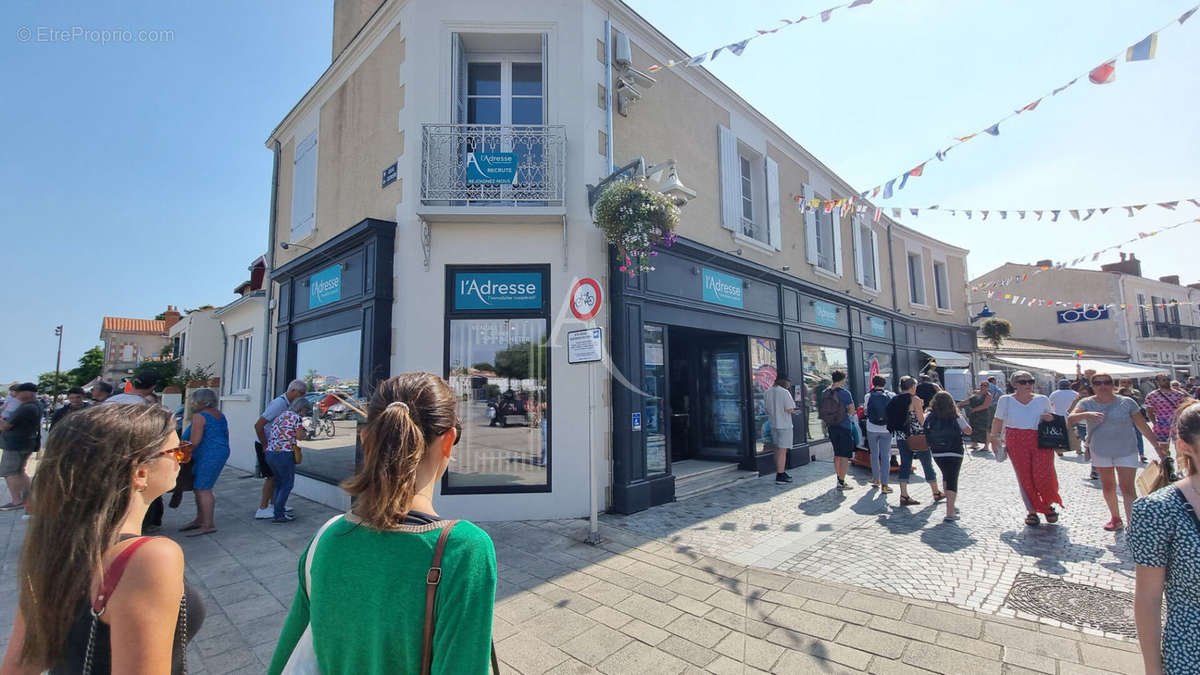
[906, 412]
[1193, 386]
[780, 405]
[926, 389]
[283, 438]
[1112, 421]
[1082, 391]
[996, 392]
[944, 428]
[22, 436]
[837, 412]
[978, 407]
[1163, 403]
[365, 594]
[209, 435]
[1164, 537]
[74, 402]
[295, 389]
[94, 593]
[878, 437]
[1017, 418]
[141, 392]
[11, 402]
[101, 391]
[1062, 400]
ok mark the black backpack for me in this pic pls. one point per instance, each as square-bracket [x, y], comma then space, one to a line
[877, 402]
[943, 435]
[897, 413]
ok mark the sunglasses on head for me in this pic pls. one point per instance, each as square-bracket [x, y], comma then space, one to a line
[1022, 381]
[182, 452]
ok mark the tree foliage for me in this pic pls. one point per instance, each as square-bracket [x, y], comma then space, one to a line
[166, 371]
[91, 364]
[46, 382]
[996, 331]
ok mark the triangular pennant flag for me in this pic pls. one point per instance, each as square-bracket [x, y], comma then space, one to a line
[875, 192]
[1139, 207]
[829, 207]
[1060, 89]
[737, 47]
[903, 181]
[697, 60]
[954, 212]
[1029, 107]
[895, 213]
[1144, 50]
[878, 213]
[767, 32]
[918, 170]
[714, 54]
[1039, 214]
[964, 139]
[1095, 257]
[1170, 206]
[1104, 73]
[1075, 213]
[826, 14]
[1089, 213]
[994, 129]
[1022, 214]
[931, 208]
[1004, 215]
[1104, 210]
[859, 3]
[1129, 209]
[913, 211]
[941, 154]
[968, 214]
[863, 194]
[887, 189]
[1186, 15]
[1194, 202]
[985, 214]
[1055, 218]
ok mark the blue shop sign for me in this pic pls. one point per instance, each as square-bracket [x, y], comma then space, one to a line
[491, 168]
[721, 289]
[325, 287]
[825, 314]
[878, 327]
[1083, 314]
[497, 290]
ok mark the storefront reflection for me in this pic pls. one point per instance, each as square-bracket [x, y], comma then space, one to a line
[330, 366]
[819, 364]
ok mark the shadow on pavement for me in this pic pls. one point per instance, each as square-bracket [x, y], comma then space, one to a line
[946, 538]
[1050, 547]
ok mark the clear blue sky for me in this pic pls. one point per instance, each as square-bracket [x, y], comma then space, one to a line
[136, 176]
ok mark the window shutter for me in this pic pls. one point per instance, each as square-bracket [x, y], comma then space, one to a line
[731, 193]
[875, 252]
[458, 77]
[856, 237]
[545, 78]
[810, 226]
[837, 243]
[773, 228]
[304, 188]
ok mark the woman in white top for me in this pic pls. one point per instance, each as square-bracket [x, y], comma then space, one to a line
[1017, 416]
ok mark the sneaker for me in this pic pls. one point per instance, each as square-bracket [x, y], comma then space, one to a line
[288, 508]
[843, 485]
[264, 514]
[285, 519]
[1095, 476]
[1114, 525]
[783, 478]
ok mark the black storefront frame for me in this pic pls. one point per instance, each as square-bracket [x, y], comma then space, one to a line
[451, 314]
[366, 254]
[633, 305]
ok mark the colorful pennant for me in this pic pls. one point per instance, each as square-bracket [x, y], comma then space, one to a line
[1021, 214]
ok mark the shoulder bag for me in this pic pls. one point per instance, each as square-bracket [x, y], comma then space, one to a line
[432, 578]
[303, 660]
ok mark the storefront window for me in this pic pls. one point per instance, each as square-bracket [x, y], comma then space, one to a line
[330, 366]
[764, 367]
[498, 371]
[653, 425]
[819, 364]
[876, 363]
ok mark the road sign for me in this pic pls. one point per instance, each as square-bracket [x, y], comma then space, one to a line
[585, 299]
[585, 346]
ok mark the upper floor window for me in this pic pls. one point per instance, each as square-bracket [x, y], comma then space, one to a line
[304, 188]
[1175, 318]
[941, 285]
[1141, 300]
[504, 90]
[866, 256]
[749, 191]
[822, 236]
[239, 380]
[916, 279]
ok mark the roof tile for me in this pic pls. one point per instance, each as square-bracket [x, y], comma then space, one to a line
[122, 325]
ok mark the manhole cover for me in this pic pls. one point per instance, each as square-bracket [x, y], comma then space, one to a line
[1075, 604]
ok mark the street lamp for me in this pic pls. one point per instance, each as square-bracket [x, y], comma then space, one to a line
[984, 313]
[673, 188]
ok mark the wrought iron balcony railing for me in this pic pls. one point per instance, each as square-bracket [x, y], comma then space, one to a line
[1162, 329]
[447, 150]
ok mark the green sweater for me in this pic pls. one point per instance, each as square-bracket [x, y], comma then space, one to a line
[368, 602]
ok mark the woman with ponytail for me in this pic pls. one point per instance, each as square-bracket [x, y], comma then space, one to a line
[362, 603]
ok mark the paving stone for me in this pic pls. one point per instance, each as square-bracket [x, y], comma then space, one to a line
[1034, 662]
[1079, 669]
[557, 626]
[942, 660]
[942, 620]
[1031, 641]
[693, 607]
[1113, 659]
[527, 654]
[907, 630]
[637, 657]
[822, 649]
[726, 666]
[799, 663]
[609, 616]
[647, 609]
[729, 601]
[873, 641]
[734, 622]
[571, 667]
[837, 612]
[644, 632]
[605, 593]
[697, 590]
[882, 666]
[814, 590]
[805, 622]
[520, 608]
[564, 599]
[688, 651]
[767, 579]
[872, 604]
[969, 645]
[596, 644]
[703, 633]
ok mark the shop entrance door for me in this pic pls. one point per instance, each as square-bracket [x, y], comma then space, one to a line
[708, 383]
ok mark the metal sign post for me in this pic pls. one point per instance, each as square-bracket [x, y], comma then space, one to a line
[587, 347]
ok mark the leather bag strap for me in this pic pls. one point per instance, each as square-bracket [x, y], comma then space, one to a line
[432, 578]
[109, 581]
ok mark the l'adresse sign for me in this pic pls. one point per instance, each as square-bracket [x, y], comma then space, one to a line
[497, 290]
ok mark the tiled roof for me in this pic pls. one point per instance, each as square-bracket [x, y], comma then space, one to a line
[123, 325]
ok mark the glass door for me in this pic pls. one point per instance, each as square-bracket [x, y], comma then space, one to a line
[723, 396]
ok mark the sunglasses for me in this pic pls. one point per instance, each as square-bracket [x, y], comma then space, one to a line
[1102, 383]
[182, 452]
[1022, 381]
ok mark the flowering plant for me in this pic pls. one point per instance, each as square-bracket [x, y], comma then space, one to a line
[635, 218]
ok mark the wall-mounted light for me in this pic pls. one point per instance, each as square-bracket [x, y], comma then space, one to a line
[736, 251]
[786, 268]
[285, 245]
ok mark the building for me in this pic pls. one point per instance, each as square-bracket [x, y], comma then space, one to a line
[242, 375]
[196, 342]
[128, 342]
[1159, 327]
[445, 232]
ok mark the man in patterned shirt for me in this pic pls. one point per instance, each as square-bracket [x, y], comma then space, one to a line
[1162, 404]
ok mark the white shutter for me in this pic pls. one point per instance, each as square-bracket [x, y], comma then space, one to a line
[773, 227]
[837, 243]
[856, 237]
[875, 252]
[304, 188]
[458, 78]
[545, 78]
[731, 185]
[810, 226]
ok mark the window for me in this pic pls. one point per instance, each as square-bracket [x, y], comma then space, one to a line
[941, 285]
[879, 363]
[1160, 312]
[764, 368]
[330, 364]
[827, 253]
[747, 199]
[304, 188]
[866, 255]
[1174, 305]
[749, 191]
[819, 364]
[916, 279]
[239, 380]
[178, 343]
[1141, 299]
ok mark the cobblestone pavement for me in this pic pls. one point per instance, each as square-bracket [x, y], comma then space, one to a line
[634, 604]
[860, 537]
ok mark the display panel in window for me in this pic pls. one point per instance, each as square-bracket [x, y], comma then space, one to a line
[655, 385]
[330, 366]
[819, 364]
[764, 368]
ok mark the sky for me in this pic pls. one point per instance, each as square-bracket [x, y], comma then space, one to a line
[136, 174]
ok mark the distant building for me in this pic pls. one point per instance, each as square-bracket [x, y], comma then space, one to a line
[241, 364]
[128, 342]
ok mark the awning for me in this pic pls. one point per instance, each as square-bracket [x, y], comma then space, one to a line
[1067, 366]
[948, 359]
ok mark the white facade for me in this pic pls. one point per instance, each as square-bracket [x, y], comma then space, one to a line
[199, 333]
[241, 380]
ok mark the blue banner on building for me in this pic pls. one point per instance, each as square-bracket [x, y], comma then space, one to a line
[721, 289]
[325, 286]
[1080, 315]
[825, 314]
[878, 327]
[491, 168]
[497, 290]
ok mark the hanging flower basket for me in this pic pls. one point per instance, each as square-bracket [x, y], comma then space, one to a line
[636, 218]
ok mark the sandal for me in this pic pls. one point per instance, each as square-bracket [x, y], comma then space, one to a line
[1032, 520]
[908, 501]
[189, 526]
[1052, 517]
[938, 496]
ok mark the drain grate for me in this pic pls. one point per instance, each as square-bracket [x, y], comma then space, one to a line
[1075, 604]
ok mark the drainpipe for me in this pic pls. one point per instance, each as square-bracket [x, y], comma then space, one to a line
[608, 97]
[224, 351]
[1123, 332]
[892, 268]
[266, 358]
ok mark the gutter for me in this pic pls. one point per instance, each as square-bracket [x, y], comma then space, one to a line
[608, 96]
[892, 269]
[224, 353]
[267, 282]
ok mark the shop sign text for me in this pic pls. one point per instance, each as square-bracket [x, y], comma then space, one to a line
[325, 287]
[721, 289]
[497, 290]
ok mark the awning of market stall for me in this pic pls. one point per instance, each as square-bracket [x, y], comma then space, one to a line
[948, 359]
[1067, 366]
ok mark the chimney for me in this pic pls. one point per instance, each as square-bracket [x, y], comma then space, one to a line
[1172, 279]
[171, 316]
[349, 16]
[1045, 263]
[1128, 265]
[257, 274]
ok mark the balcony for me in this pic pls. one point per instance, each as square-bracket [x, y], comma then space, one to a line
[1173, 331]
[452, 188]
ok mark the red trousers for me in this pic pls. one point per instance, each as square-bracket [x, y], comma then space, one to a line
[1035, 469]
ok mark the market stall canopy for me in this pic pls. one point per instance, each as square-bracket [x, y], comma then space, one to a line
[1067, 366]
[948, 359]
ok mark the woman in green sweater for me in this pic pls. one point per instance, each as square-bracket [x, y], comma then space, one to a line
[366, 605]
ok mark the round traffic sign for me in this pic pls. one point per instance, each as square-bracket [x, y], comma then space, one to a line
[585, 299]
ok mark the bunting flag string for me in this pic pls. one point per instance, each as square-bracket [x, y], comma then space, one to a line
[736, 48]
[1142, 50]
[1068, 304]
[1080, 214]
[990, 286]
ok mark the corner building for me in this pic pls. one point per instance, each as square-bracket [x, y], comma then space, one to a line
[430, 212]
